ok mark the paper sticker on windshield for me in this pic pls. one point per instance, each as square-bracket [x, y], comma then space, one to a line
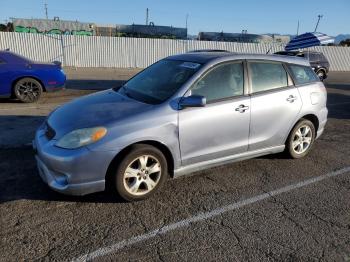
[190, 65]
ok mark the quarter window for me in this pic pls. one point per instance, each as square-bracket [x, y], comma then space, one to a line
[266, 76]
[222, 82]
[303, 74]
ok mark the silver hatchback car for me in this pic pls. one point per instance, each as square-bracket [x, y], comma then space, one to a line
[182, 114]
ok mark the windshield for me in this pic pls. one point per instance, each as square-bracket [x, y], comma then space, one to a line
[160, 81]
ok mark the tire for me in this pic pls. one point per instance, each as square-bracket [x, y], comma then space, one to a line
[27, 90]
[301, 139]
[321, 74]
[140, 183]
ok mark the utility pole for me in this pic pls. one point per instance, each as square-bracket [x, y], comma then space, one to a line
[298, 28]
[46, 12]
[318, 21]
[186, 20]
[147, 15]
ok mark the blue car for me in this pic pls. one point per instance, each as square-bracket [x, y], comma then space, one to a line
[25, 79]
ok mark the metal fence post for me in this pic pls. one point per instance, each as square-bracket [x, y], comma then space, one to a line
[64, 62]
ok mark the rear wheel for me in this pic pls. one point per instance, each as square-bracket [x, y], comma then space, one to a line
[27, 90]
[141, 173]
[301, 139]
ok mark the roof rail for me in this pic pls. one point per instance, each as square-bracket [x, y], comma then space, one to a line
[208, 50]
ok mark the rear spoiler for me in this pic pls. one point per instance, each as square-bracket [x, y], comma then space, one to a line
[58, 63]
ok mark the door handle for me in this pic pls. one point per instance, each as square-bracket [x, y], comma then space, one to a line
[242, 108]
[291, 98]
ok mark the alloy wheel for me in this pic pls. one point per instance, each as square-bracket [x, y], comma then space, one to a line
[142, 175]
[302, 139]
[28, 91]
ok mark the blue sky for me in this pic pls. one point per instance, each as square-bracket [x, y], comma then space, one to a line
[264, 16]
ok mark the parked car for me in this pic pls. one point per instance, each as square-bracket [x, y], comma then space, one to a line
[182, 114]
[25, 79]
[318, 61]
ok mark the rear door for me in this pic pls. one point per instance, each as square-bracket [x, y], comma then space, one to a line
[221, 127]
[275, 104]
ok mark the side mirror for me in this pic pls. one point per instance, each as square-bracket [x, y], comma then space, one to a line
[192, 101]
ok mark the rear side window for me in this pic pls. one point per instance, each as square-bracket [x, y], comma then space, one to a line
[314, 57]
[303, 74]
[224, 81]
[323, 58]
[267, 76]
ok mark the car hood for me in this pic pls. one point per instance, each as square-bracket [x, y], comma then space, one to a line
[98, 109]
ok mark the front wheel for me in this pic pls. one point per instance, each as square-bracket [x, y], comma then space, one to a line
[301, 139]
[141, 173]
[28, 90]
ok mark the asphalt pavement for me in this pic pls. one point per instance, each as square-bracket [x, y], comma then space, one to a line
[265, 209]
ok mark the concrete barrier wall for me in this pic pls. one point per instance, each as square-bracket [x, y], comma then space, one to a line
[122, 52]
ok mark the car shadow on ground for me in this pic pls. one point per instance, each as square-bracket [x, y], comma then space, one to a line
[338, 105]
[9, 100]
[345, 87]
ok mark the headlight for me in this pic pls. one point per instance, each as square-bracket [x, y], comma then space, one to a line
[81, 137]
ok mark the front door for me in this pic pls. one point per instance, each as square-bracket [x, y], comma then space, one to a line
[220, 128]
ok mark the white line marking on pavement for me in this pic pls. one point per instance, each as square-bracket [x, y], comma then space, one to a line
[203, 216]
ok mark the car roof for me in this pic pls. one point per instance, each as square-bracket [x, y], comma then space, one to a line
[206, 57]
[13, 58]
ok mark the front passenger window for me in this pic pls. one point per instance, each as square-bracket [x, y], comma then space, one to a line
[222, 82]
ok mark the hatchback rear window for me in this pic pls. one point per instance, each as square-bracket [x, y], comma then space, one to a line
[303, 74]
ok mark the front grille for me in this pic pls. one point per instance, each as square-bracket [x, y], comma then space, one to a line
[49, 132]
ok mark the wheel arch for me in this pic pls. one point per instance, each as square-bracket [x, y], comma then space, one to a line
[311, 117]
[314, 119]
[322, 69]
[160, 146]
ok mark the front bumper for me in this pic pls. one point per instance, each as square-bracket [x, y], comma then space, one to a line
[72, 172]
[60, 184]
